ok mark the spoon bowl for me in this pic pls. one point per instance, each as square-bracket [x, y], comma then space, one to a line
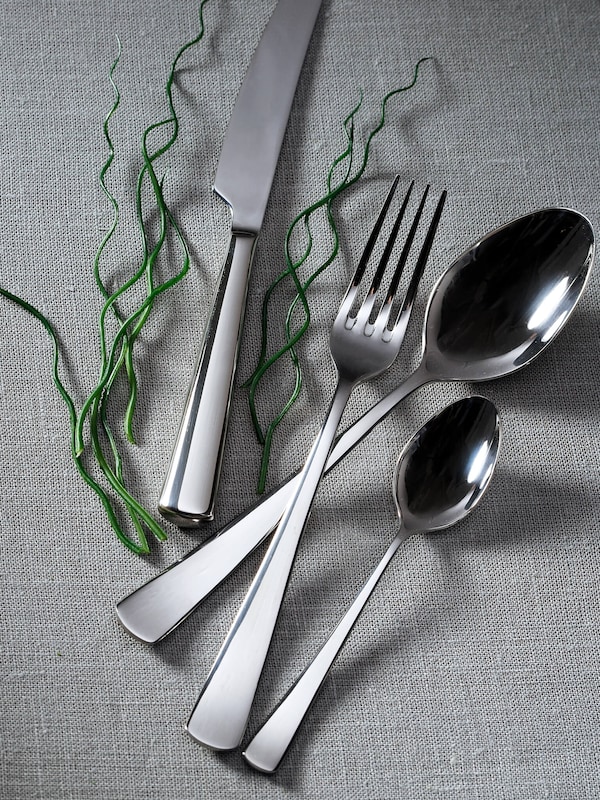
[505, 299]
[441, 475]
[446, 467]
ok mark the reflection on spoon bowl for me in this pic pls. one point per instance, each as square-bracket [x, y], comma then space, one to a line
[505, 299]
[446, 467]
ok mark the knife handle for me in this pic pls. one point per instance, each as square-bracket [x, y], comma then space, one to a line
[188, 493]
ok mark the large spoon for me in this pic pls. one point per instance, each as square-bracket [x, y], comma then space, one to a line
[495, 309]
[441, 475]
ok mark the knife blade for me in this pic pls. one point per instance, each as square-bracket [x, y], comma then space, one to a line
[243, 179]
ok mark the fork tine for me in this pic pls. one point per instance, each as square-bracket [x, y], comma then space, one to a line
[363, 314]
[402, 319]
[406, 249]
[385, 257]
[345, 309]
[423, 256]
[386, 307]
[364, 259]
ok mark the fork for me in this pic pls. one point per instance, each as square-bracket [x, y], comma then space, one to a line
[364, 341]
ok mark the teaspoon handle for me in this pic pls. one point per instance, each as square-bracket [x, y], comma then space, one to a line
[153, 610]
[272, 741]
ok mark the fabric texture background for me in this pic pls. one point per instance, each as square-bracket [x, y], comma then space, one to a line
[473, 673]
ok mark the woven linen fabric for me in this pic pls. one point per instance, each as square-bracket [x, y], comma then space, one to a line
[473, 672]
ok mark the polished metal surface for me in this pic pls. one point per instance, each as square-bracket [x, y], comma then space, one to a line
[522, 260]
[250, 150]
[440, 477]
[363, 343]
[189, 489]
[508, 296]
[244, 176]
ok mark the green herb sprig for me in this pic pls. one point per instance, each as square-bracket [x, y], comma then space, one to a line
[116, 356]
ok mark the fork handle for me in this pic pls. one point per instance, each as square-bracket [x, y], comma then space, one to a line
[154, 609]
[190, 485]
[272, 741]
[221, 713]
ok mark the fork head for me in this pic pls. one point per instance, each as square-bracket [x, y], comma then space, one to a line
[366, 338]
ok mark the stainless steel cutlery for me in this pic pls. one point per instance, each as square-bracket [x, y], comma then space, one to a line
[365, 339]
[493, 311]
[244, 176]
[442, 474]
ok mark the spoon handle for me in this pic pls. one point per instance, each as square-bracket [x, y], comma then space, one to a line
[153, 610]
[270, 744]
[221, 713]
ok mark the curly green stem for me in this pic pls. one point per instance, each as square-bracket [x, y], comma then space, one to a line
[119, 353]
[139, 548]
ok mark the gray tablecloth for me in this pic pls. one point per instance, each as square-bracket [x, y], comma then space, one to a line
[474, 670]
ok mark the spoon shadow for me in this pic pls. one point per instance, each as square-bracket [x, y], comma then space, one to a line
[556, 502]
[181, 649]
[557, 506]
[372, 659]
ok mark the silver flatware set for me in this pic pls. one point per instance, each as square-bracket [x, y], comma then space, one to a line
[493, 311]
[364, 341]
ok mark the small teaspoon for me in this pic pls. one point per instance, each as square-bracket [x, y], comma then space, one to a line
[440, 477]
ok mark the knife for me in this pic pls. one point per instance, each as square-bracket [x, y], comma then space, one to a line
[243, 179]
